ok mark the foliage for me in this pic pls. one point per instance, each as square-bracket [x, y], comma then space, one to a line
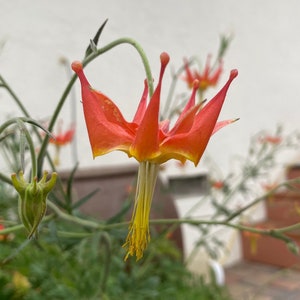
[56, 267]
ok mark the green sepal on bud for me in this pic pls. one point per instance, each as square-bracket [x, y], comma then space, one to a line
[32, 199]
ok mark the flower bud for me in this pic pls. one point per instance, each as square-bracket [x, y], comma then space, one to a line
[32, 199]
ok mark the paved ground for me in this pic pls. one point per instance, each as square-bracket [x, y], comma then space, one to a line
[253, 281]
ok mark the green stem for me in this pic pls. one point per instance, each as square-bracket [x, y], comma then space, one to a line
[31, 149]
[79, 235]
[14, 96]
[34, 172]
[72, 218]
[139, 49]
[20, 122]
[5, 178]
[11, 122]
[274, 232]
[261, 198]
[11, 229]
[52, 122]
[171, 222]
[20, 226]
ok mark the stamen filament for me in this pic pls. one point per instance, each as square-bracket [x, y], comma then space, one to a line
[139, 234]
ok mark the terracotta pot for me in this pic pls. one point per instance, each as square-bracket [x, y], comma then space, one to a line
[284, 207]
[270, 250]
[293, 172]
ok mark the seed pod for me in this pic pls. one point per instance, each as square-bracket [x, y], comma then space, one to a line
[32, 199]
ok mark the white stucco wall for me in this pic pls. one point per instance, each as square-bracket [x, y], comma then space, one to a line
[265, 50]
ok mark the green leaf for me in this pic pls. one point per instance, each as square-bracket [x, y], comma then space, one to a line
[84, 199]
[93, 43]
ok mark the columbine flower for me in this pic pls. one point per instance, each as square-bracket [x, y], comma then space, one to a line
[32, 199]
[208, 77]
[61, 139]
[270, 139]
[218, 184]
[149, 141]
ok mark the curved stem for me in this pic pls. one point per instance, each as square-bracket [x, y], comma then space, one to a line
[20, 122]
[139, 49]
[31, 149]
[15, 252]
[10, 122]
[52, 122]
[14, 96]
[72, 218]
[5, 178]
[273, 232]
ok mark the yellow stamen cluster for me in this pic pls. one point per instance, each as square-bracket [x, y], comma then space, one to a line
[139, 235]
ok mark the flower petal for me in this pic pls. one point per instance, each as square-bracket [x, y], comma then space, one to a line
[222, 124]
[146, 143]
[142, 105]
[186, 119]
[189, 75]
[191, 145]
[107, 128]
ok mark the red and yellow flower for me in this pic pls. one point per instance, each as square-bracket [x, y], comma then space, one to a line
[207, 78]
[150, 141]
[61, 139]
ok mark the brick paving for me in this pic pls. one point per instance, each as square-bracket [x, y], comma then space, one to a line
[255, 281]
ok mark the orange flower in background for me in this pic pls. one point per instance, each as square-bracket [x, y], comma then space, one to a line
[218, 184]
[61, 139]
[3, 237]
[148, 140]
[269, 139]
[208, 78]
